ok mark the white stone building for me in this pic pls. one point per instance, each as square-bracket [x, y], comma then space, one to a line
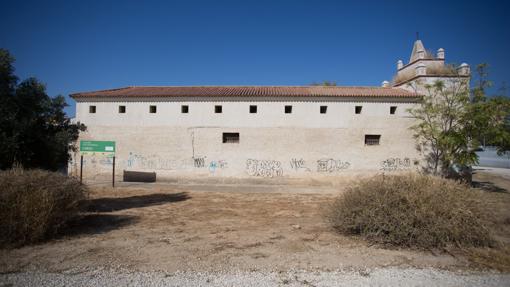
[259, 131]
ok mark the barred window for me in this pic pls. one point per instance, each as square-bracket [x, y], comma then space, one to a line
[372, 139]
[92, 109]
[184, 109]
[122, 109]
[152, 109]
[230, 137]
[393, 109]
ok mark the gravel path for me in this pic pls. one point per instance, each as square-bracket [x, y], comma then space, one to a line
[378, 277]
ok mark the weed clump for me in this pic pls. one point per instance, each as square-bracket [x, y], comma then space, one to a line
[36, 204]
[412, 210]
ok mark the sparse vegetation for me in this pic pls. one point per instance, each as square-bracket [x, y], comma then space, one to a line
[412, 210]
[446, 70]
[36, 204]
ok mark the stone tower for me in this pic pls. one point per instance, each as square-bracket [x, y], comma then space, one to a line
[425, 68]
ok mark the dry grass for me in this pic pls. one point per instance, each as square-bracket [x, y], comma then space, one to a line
[403, 76]
[415, 211]
[35, 204]
[446, 70]
[492, 258]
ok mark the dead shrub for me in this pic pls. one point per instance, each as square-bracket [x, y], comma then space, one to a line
[413, 210]
[35, 204]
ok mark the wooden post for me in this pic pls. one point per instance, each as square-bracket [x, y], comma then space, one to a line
[113, 174]
[81, 169]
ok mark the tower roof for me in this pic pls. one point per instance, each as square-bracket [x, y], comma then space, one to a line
[417, 47]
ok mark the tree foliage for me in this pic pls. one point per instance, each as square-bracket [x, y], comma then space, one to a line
[324, 83]
[34, 130]
[452, 120]
[492, 114]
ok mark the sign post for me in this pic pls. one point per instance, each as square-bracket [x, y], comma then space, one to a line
[81, 168]
[113, 173]
[97, 147]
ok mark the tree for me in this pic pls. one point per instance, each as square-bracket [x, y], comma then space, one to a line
[7, 107]
[450, 123]
[324, 83]
[491, 113]
[34, 130]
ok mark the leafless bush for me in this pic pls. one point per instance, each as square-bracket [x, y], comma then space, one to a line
[35, 204]
[415, 211]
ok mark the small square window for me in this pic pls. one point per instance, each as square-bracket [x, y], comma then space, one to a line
[218, 109]
[92, 109]
[253, 109]
[324, 109]
[372, 139]
[152, 109]
[122, 109]
[393, 109]
[288, 109]
[184, 109]
[230, 137]
[357, 109]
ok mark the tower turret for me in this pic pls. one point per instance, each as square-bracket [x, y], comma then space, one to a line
[425, 68]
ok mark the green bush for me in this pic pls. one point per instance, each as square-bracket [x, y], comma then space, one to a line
[412, 210]
[35, 204]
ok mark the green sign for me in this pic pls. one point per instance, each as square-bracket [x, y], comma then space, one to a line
[90, 147]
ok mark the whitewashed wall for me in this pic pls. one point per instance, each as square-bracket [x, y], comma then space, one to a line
[272, 143]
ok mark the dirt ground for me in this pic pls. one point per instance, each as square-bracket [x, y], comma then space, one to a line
[199, 227]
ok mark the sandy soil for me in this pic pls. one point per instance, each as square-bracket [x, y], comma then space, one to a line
[179, 227]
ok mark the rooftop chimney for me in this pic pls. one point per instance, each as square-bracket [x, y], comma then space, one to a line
[440, 53]
[464, 69]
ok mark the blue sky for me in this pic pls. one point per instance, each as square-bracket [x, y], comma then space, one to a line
[77, 46]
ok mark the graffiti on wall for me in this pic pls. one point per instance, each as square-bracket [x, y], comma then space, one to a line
[152, 162]
[97, 161]
[254, 167]
[298, 164]
[332, 165]
[217, 164]
[264, 168]
[106, 161]
[396, 164]
[199, 162]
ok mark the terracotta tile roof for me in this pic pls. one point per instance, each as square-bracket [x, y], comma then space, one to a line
[250, 91]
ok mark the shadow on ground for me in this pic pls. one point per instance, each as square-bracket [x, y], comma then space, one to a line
[109, 204]
[90, 224]
[488, 186]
